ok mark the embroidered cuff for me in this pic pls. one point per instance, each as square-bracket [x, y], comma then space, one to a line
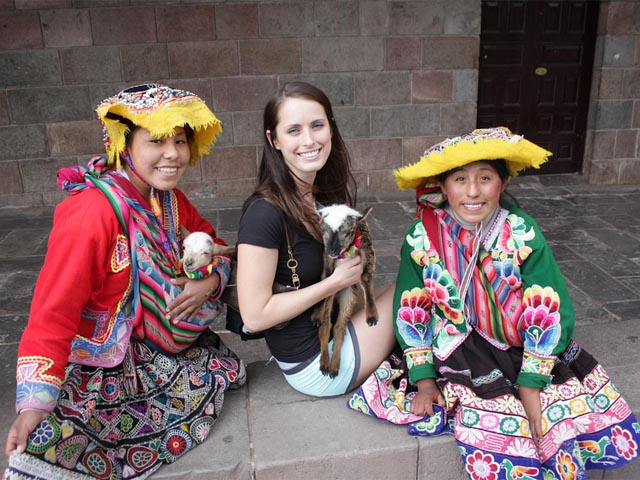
[420, 363]
[536, 369]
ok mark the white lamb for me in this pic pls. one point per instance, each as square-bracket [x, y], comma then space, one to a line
[198, 250]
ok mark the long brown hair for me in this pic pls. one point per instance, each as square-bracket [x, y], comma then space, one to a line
[334, 183]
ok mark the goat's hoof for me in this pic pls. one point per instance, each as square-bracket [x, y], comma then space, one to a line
[372, 321]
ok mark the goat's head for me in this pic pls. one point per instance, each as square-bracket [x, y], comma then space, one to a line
[198, 251]
[339, 224]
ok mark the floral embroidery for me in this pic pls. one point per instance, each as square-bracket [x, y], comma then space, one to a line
[532, 363]
[413, 318]
[565, 466]
[481, 466]
[510, 251]
[541, 319]
[417, 357]
[120, 258]
[422, 252]
[623, 441]
[443, 292]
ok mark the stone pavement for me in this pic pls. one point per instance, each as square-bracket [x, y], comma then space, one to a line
[268, 431]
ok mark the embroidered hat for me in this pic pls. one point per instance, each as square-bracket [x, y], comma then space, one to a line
[159, 109]
[481, 144]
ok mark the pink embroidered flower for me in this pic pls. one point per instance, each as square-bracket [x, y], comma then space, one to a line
[624, 442]
[481, 466]
[416, 297]
[541, 307]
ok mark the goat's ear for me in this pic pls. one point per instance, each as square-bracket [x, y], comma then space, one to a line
[365, 214]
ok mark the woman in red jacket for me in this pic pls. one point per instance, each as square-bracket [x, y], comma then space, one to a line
[117, 369]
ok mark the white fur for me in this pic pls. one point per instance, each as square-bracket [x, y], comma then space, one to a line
[335, 215]
[198, 251]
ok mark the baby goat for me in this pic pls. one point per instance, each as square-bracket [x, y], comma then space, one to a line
[199, 249]
[344, 233]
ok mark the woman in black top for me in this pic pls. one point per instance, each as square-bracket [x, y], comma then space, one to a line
[304, 161]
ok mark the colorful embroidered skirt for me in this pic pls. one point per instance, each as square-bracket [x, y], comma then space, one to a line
[99, 431]
[586, 423]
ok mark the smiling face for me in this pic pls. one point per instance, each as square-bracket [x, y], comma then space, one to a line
[160, 162]
[303, 136]
[473, 191]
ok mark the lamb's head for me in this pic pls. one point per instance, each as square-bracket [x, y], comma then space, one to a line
[339, 224]
[198, 251]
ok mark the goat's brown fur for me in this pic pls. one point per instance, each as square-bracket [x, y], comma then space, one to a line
[345, 300]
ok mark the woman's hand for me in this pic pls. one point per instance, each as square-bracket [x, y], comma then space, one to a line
[22, 427]
[530, 398]
[347, 272]
[428, 394]
[186, 305]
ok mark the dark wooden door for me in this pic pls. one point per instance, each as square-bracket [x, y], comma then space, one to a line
[536, 60]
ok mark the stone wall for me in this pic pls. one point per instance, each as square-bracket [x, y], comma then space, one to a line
[613, 143]
[402, 75]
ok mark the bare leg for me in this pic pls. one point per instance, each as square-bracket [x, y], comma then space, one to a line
[375, 342]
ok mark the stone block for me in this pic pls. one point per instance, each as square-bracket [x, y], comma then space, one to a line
[11, 178]
[236, 21]
[242, 93]
[603, 144]
[20, 30]
[25, 141]
[630, 172]
[337, 86]
[626, 143]
[613, 114]
[230, 162]
[123, 26]
[230, 187]
[457, 118]
[382, 88]
[193, 173]
[336, 17]
[405, 121]
[65, 28]
[49, 105]
[611, 84]
[247, 128]
[42, 4]
[636, 114]
[23, 200]
[374, 17]
[402, 53]
[619, 51]
[346, 54]
[185, 23]
[269, 56]
[34, 68]
[415, 17]
[414, 147]
[226, 137]
[450, 52]
[352, 122]
[99, 3]
[462, 17]
[620, 18]
[350, 448]
[374, 181]
[91, 64]
[432, 449]
[431, 87]
[465, 85]
[75, 138]
[290, 19]
[631, 83]
[145, 62]
[203, 59]
[375, 154]
[39, 175]
[4, 108]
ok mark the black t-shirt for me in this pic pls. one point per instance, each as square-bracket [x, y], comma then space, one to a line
[262, 225]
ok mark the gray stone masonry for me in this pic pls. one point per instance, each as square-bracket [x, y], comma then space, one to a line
[269, 431]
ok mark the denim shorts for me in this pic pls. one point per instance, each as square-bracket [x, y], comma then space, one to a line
[307, 378]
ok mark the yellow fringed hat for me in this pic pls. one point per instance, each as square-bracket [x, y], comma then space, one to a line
[481, 144]
[159, 109]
